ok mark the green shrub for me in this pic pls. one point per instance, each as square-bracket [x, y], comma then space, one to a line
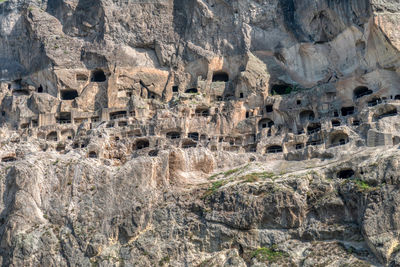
[256, 176]
[270, 254]
[164, 260]
[227, 173]
[214, 187]
[363, 186]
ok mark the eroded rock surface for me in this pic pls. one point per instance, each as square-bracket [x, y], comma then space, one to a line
[199, 133]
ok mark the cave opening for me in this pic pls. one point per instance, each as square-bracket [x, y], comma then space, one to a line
[274, 149]
[281, 89]
[220, 76]
[69, 94]
[192, 91]
[361, 91]
[345, 174]
[98, 76]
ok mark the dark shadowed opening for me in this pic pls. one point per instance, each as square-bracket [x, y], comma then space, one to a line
[344, 174]
[141, 144]
[220, 77]
[314, 128]
[192, 91]
[347, 111]
[173, 135]
[274, 149]
[98, 76]
[299, 146]
[281, 89]
[307, 115]
[265, 123]
[69, 94]
[335, 123]
[361, 91]
[269, 108]
[194, 136]
[8, 159]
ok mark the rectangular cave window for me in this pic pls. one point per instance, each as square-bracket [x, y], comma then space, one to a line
[81, 77]
[299, 146]
[98, 76]
[335, 123]
[63, 118]
[192, 91]
[175, 89]
[281, 89]
[346, 111]
[69, 94]
[117, 115]
[220, 76]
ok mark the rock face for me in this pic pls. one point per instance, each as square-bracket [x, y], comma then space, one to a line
[199, 133]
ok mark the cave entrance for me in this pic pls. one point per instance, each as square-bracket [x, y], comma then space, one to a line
[220, 76]
[335, 123]
[69, 94]
[118, 114]
[192, 91]
[281, 89]
[361, 91]
[64, 118]
[265, 123]
[307, 115]
[188, 144]
[346, 111]
[194, 136]
[173, 135]
[274, 149]
[52, 136]
[98, 76]
[141, 144]
[314, 128]
[202, 112]
[345, 174]
[8, 159]
[92, 155]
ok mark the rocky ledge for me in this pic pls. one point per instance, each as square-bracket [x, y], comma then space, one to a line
[199, 133]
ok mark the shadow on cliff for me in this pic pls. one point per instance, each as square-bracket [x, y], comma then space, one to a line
[22, 53]
[9, 203]
[86, 21]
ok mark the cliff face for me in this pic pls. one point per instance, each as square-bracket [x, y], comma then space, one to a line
[199, 133]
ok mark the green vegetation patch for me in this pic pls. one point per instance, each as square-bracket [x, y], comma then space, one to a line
[230, 172]
[214, 187]
[212, 177]
[164, 261]
[256, 176]
[271, 254]
[363, 186]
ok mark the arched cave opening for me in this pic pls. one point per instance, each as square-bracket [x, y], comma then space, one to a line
[98, 76]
